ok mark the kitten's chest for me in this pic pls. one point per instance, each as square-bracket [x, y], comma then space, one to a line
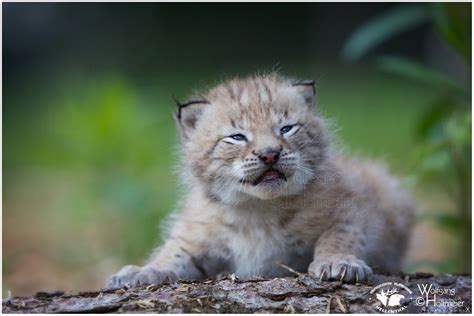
[258, 247]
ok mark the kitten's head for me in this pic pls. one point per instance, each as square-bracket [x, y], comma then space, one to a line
[254, 138]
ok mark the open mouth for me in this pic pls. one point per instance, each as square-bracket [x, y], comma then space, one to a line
[269, 177]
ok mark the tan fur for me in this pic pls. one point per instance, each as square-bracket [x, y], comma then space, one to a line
[334, 216]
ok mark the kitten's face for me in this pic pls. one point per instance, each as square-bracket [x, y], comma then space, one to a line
[255, 138]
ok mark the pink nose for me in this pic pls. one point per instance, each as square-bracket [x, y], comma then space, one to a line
[269, 157]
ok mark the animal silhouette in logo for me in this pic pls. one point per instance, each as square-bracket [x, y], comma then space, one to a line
[390, 298]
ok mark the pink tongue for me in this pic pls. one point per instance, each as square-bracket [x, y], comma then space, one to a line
[270, 175]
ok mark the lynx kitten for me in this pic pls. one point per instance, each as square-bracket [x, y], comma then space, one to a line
[266, 187]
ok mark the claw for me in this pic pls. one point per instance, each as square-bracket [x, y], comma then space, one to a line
[322, 274]
[343, 273]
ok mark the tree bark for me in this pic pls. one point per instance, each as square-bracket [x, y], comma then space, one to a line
[227, 294]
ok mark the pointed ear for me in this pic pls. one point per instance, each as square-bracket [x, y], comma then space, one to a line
[307, 90]
[189, 113]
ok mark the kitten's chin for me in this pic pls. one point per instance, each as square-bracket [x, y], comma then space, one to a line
[268, 189]
[273, 190]
[266, 196]
[249, 192]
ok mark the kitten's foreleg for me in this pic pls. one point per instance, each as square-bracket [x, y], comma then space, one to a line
[339, 255]
[176, 259]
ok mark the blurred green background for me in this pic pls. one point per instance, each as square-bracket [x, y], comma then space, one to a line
[89, 140]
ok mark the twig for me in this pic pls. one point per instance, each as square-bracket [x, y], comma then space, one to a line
[341, 305]
[328, 307]
[290, 269]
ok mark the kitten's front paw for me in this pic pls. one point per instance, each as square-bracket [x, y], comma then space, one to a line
[346, 268]
[134, 276]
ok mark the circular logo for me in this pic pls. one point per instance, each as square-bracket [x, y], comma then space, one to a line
[389, 297]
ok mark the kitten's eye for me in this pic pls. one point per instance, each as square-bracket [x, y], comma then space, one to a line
[286, 129]
[289, 130]
[238, 137]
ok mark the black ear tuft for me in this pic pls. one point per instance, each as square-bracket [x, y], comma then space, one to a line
[178, 105]
[307, 89]
[306, 83]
